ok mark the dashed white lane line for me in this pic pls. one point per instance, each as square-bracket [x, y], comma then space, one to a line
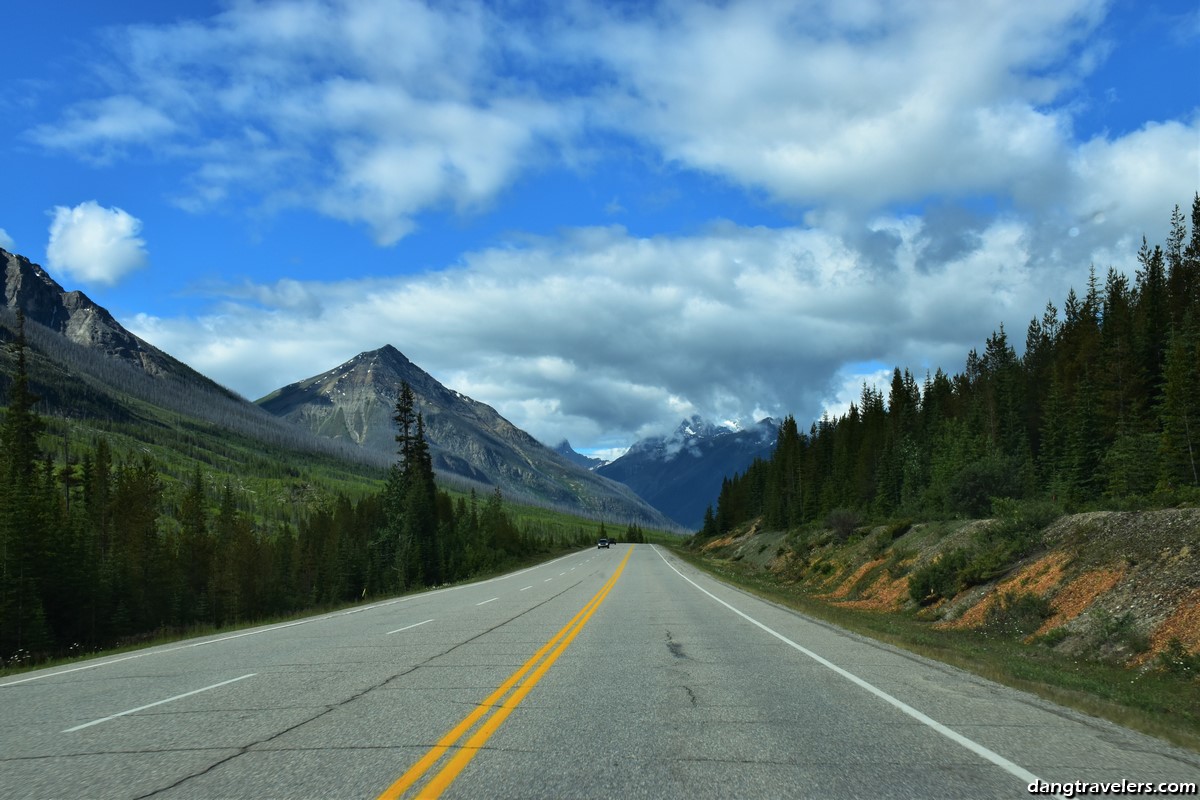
[523, 588]
[158, 703]
[547, 580]
[406, 627]
[485, 602]
[272, 628]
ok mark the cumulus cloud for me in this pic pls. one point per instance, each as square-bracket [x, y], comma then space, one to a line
[929, 148]
[369, 112]
[94, 244]
[861, 103]
[601, 336]
[373, 112]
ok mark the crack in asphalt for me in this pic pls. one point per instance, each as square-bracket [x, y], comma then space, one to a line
[91, 753]
[675, 647]
[242, 750]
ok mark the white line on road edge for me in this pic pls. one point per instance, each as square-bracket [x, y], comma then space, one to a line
[485, 602]
[159, 703]
[406, 627]
[954, 736]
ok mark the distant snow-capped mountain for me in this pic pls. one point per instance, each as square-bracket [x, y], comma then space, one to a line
[681, 474]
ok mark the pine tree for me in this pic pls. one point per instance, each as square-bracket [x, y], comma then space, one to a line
[420, 513]
[1152, 317]
[1180, 409]
[22, 531]
[196, 552]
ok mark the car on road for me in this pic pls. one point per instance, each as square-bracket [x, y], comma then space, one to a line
[602, 543]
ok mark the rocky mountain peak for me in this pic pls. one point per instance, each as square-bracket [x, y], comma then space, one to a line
[468, 440]
[73, 314]
[565, 450]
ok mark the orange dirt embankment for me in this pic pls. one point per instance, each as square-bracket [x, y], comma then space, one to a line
[1141, 566]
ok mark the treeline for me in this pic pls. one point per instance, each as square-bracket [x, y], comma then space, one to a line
[104, 550]
[1102, 408]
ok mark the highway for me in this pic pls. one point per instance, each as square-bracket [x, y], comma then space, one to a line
[620, 673]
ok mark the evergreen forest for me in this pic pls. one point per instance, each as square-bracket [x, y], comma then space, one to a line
[1102, 409]
[100, 548]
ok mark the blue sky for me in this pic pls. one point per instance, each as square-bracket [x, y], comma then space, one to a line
[603, 218]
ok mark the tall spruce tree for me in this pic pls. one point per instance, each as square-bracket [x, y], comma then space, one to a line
[22, 530]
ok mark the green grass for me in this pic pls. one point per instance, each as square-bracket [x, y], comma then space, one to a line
[1154, 702]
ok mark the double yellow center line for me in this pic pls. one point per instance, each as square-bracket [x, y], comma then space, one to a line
[499, 704]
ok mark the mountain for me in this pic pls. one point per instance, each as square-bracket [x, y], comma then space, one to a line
[565, 450]
[86, 367]
[30, 288]
[469, 441]
[681, 474]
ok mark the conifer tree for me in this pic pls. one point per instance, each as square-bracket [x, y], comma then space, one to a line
[22, 531]
[1180, 410]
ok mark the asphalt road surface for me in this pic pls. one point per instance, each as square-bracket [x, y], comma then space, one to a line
[618, 673]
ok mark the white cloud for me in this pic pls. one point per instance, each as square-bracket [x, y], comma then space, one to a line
[104, 126]
[6, 241]
[373, 112]
[599, 336]
[369, 112]
[894, 101]
[95, 244]
[1129, 181]
[376, 112]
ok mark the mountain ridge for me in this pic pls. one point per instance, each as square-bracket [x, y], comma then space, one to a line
[680, 473]
[469, 440]
[565, 450]
[74, 315]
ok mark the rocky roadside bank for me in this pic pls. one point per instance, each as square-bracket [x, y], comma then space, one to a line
[1122, 587]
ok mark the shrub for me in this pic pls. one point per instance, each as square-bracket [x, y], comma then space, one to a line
[1110, 630]
[972, 489]
[1176, 660]
[899, 554]
[1016, 614]
[1029, 514]
[889, 534]
[1053, 637]
[940, 578]
[842, 521]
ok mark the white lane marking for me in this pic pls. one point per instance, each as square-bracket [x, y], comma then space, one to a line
[159, 703]
[561, 574]
[954, 736]
[271, 628]
[485, 602]
[406, 627]
[526, 587]
[547, 580]
[74, 669]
